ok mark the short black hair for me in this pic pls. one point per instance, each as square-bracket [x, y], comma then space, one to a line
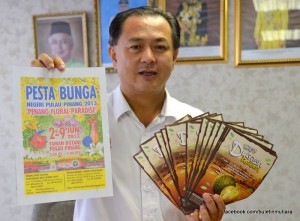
[115, 28]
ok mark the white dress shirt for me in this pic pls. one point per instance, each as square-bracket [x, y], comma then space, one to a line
[135, 196]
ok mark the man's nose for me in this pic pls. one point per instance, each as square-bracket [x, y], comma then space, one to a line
[60, 44]
[148, 56]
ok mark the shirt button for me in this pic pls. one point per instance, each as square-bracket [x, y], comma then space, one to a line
[147, 188]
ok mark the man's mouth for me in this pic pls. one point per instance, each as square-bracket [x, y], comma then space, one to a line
[148, 73]
[59, 52]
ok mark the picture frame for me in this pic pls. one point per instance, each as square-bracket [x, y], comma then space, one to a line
[64, 35]
[156, 3]
[207, 43]
[104, 12]
[258, 44]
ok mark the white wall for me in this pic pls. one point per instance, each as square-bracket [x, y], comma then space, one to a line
[267, 99]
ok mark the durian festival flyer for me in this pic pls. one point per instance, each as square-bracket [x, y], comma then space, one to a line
[206, 154]
[63, 146]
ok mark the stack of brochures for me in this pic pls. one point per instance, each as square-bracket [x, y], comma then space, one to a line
[206, 154]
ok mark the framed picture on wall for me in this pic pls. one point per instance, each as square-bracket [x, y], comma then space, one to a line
[156, 3]
[63, 35]
[267, 34]
[105, 12]
[203, 29]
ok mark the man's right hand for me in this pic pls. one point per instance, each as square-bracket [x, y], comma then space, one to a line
[45, 60]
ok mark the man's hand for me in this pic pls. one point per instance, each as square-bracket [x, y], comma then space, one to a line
[45, 61]
[212, 210]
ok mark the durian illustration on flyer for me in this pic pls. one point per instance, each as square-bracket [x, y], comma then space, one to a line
[64, 151]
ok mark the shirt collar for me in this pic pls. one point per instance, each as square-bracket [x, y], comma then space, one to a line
[120, 105]
[168, 109]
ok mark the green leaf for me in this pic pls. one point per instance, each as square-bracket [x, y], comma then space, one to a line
[212, 173]
[27, 135]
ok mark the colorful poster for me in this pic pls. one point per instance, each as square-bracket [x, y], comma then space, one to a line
[63, 149]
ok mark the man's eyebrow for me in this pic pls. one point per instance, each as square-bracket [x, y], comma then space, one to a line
[161, 40]
[140, 39]
[135, 39]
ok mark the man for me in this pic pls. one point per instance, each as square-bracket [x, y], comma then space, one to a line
[61, 43]
[144, 46]
[123, 5]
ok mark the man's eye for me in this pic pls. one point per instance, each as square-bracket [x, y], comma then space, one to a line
[135, 47]
[161, 47]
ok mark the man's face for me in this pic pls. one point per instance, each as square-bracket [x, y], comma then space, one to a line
[61, 45]
[144, 55]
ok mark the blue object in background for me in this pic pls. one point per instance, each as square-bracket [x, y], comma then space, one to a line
[108, 9]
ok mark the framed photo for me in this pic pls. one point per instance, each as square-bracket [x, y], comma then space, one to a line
[267, 34]
[63, 35]
[156, 3]
[105, 12]
[203, 29]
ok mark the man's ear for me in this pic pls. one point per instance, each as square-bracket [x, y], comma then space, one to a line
[175, 54]
[113, 56]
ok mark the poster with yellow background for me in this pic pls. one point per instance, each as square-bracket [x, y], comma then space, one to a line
[63, 150]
